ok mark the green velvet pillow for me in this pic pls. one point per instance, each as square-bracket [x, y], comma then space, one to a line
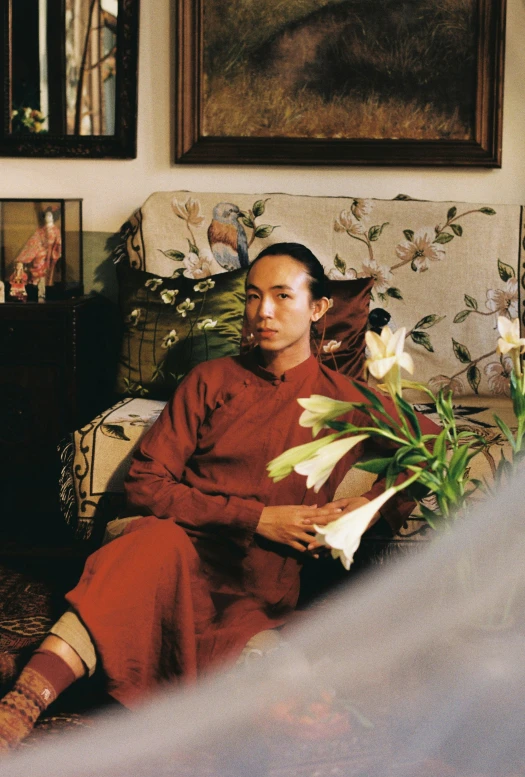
[172, 324]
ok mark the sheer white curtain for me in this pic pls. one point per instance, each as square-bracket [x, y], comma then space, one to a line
[423, 681]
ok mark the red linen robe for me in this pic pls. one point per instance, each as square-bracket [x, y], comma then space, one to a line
[171, 597]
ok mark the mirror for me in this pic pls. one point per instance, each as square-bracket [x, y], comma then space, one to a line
[69, 75]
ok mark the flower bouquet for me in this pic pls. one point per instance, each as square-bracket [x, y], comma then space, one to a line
[436, 463]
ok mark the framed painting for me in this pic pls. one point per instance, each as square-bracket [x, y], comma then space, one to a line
[340, 82]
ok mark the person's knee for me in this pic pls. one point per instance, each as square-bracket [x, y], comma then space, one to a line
[166, 538]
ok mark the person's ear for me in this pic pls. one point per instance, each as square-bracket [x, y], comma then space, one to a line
[320, 307]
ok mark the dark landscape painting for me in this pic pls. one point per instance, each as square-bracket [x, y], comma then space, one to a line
[353, 69]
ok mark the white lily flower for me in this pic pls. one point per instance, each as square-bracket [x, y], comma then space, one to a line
[319, 467]
[510, 341]
[510, 335]
[387, 357]
[344, 534]
[283, 465]
[318, 410]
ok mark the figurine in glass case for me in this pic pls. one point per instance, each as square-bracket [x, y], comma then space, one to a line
[18, 280]
[42, 251]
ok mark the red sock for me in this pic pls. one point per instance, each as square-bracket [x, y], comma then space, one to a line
[53, 668]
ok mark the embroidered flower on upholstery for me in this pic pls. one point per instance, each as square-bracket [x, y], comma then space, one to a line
[208, 323]
[332, 346]
[168, 296]
[361, 208]
[203, 286]
[348, 223]
[498, 376]
[336, 275]
[421, 250]
[504, 302]
[154, 283]
[185, 306]
[189, 211]
[134, 317]
[379, 272]
[197, 266]
[454, 385]
[170, 339]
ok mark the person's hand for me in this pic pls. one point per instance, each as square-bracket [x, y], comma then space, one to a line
[344, 505]
[293, 525]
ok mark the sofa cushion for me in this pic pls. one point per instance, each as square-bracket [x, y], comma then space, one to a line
[443, 270]
[172, 324]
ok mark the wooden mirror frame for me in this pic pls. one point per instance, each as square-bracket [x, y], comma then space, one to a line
[483, 150]
[121, 145]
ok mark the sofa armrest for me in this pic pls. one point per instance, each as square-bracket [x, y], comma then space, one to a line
[94, 463]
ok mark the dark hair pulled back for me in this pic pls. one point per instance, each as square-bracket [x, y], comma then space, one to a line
[303, 255]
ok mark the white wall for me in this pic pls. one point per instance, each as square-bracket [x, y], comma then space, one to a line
[112, 189]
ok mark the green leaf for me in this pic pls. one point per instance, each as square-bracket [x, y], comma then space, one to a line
[487, 211]
[395, 293]
[429, 516]
[377, 466]
[456, 229]
[505, 271]
[372, 398]
[114, 430]
[193, 248]
[458, 463]
[340, 264]
[259, 207]
[452, 212]
[473, 377]
[409, 234]
[374, 232]
[470, 302]
[440, 446]
[246, 220]
[408, 410]
[444, 237]
[505, 429]
[428, 321]
[171, 253]
[462, 352]
[264, 230]
[421, 338]
[459, 317]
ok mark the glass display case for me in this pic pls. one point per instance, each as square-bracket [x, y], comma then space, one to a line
[40, 249]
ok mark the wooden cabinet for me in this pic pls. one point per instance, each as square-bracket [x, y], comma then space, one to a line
[56, 372]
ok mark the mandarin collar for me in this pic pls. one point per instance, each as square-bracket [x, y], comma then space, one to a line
[294, 375]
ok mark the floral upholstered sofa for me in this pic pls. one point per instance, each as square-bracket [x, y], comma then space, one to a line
[443, 270]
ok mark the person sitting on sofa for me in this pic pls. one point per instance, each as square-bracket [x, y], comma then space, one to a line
[215, 556]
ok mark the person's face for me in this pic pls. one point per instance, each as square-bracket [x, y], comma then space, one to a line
[48, 218]
[279, 305]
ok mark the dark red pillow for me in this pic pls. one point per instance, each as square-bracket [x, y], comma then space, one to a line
[345, 323]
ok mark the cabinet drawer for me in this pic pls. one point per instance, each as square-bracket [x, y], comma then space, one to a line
[39, 341]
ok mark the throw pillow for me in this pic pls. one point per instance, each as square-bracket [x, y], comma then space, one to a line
[340, 343]
[172, 324]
